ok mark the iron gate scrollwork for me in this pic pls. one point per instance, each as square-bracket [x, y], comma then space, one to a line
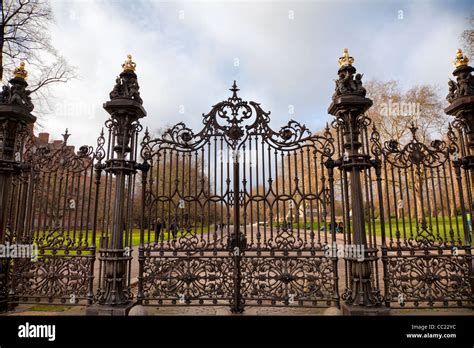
[426, 241]
[51, 211]
[237, 214]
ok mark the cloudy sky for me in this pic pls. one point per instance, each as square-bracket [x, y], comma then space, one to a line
[283, 54]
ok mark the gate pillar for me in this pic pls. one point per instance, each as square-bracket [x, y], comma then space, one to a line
[16, 120]
[348, 106]
[125, 109]
[461, 99]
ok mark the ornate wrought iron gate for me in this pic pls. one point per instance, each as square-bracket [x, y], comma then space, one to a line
[426, 242]
[238, 213]
[51, 208]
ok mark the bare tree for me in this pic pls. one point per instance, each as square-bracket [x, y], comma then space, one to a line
[467, 37]
[385, 94]
[394, 110]
[24, 36]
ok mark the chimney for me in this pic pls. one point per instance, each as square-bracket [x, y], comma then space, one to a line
[43, 138]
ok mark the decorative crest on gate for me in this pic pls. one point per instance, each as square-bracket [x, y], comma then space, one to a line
[227, 119]
[416, 152]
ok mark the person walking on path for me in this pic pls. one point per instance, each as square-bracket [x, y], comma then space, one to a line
[340, 227]
[174, 229]
[158, 228]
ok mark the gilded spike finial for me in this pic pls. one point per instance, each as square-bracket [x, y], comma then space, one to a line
[461, 59]
[21, 72]
[129, 65]
[346, 59]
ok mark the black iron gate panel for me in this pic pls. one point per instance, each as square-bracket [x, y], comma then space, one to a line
[183, 254]
[286, 220]
[232, 215]
[51, 213]
[426, 232]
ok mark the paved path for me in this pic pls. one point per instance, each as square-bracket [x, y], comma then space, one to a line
[23, 310]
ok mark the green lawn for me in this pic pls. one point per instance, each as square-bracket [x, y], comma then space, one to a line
[407, 226]
[403, 227]
[166, 235]
[136, 236]
[437, 225]
[49, 308]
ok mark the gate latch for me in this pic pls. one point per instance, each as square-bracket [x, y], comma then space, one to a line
[237, 241]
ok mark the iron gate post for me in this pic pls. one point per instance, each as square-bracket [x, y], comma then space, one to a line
[330, 164]
[237, 242]
[348, 106]
[461, 99]
[125, 109]
[15, 120]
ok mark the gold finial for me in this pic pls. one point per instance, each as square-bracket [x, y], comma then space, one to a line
[460, 59]
[129, 64]
[20, 72]
[346, 59]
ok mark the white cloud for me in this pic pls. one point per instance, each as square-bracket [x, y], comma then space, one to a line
[190, 60]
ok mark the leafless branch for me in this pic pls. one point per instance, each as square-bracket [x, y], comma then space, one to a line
[24, 36]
